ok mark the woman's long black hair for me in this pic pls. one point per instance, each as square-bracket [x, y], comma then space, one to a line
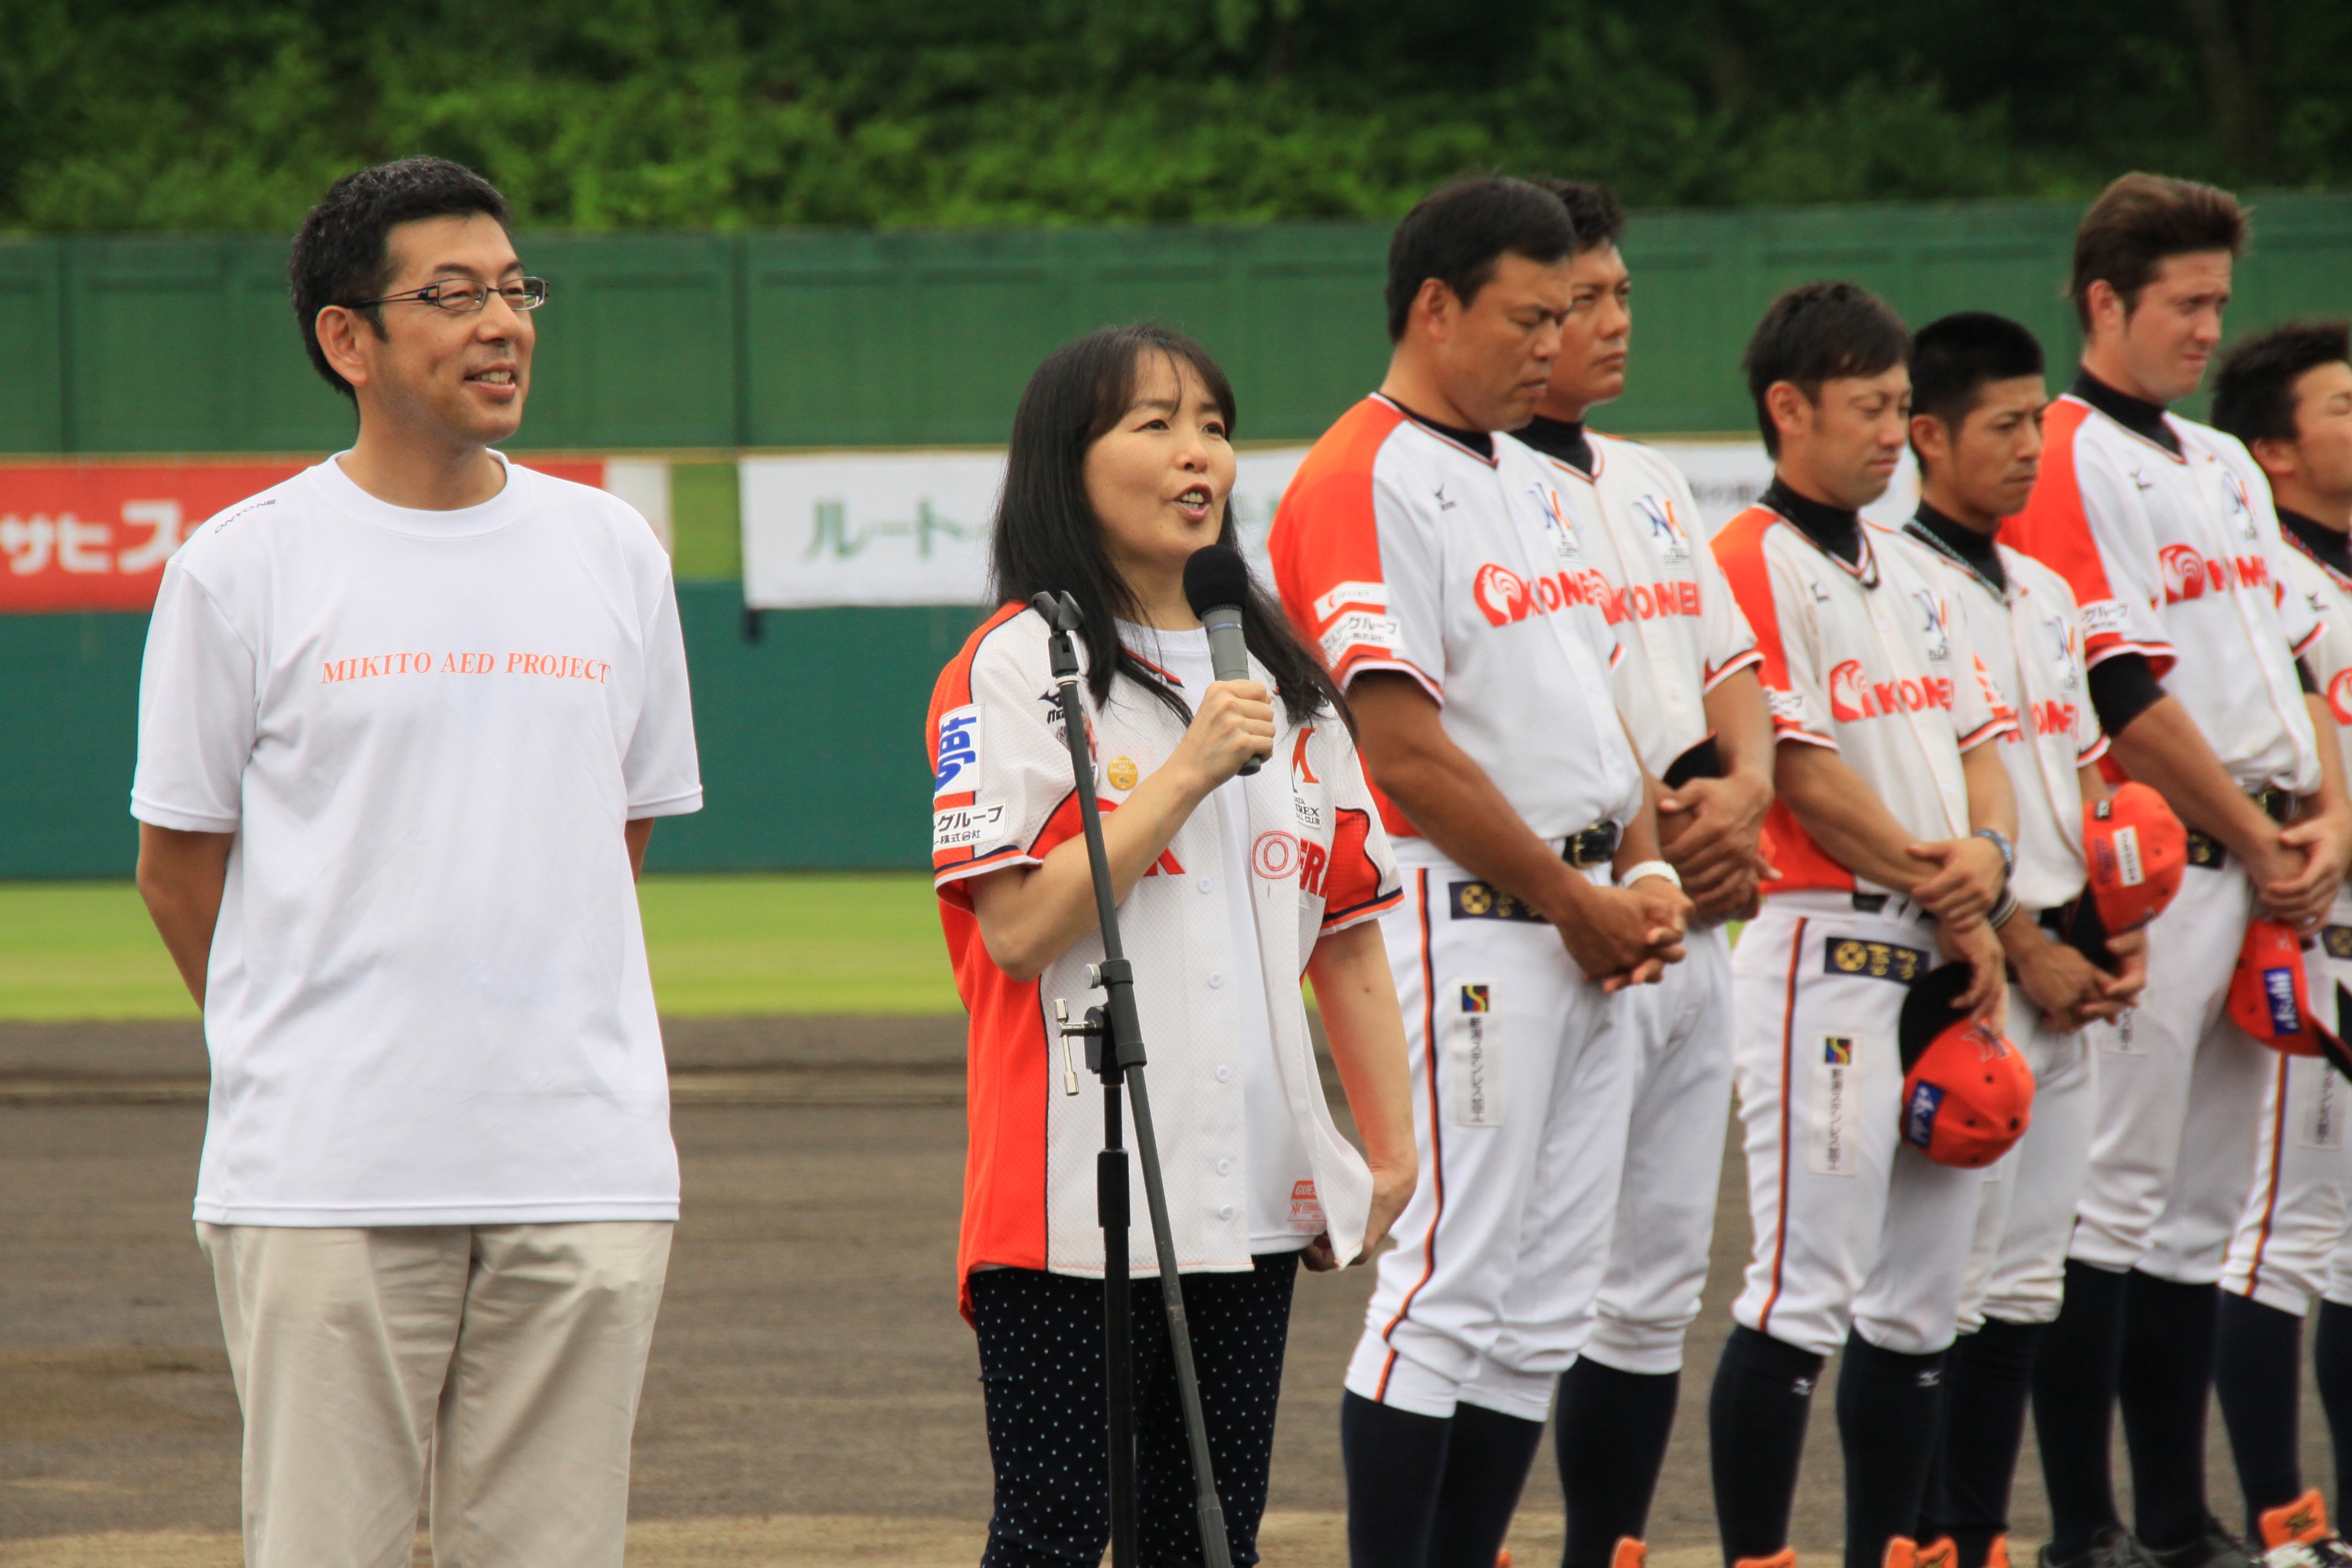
[1048, 538]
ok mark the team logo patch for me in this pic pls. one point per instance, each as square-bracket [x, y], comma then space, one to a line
[1877, 960]
[2337, 940]
[1275, 854]
[1478, 998]
[959, 750]
[1485, 901]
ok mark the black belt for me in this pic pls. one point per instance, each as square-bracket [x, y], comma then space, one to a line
[2205, 850]
[1589, 846]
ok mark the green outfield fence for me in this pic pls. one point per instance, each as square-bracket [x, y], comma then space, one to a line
[718, 344]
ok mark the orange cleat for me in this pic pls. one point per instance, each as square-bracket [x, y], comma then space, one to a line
[1997, 1556]
[2304, 1519]
[1630, 1553]
[1940, 1552]
[1784, 1558]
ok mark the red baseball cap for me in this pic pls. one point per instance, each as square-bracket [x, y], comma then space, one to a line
[2270, 995]
[1967, 1095]
[2137, 851]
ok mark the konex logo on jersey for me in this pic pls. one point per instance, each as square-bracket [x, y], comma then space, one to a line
[2339, 695]
[1505, 596]
[2051, 717]
[2188, 574]
[1643, 601]
[959, 750]
[1855, 695]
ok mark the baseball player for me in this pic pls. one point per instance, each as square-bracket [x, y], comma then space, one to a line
[2163, 529]
[1438, 566]
[405, 723]
[1687, 689]
[1976, 426]
[1891, 835]
[2288, 395]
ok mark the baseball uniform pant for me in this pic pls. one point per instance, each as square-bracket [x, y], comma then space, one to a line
[1674, 1161]
[1851, 1229]
[499, 1365]
[2180, 1095]
[2017, 1269]
[2293, 1226]
[1521, 1069]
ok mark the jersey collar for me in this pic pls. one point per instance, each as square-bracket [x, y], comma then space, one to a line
[2136, 414]
[1971, 552]
[2323, 544]
[1833, 531]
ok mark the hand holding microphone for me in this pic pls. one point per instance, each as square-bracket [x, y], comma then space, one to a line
[1234, 717]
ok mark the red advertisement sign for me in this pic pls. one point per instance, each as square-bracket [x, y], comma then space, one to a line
[95, 536]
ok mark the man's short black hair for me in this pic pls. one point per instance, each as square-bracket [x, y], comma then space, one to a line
[2253, 396]
[1818, 333]
[1457, 233]
[342, 253]
[1599, 217]
[1954, 359]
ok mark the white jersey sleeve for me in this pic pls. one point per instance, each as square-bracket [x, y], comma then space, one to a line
[1002, 790]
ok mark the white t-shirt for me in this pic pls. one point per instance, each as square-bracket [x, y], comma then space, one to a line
[1276, 1154]
[427, 1001]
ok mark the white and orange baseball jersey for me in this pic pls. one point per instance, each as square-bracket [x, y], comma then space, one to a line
[1681, 632]
[1865, 656]
[2294, 1239]
[2163, 529]
[1318, 862]
[1452, 558]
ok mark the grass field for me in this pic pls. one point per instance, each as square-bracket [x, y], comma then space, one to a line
[718, 944]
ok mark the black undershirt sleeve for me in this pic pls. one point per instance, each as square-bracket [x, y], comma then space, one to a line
[2303, 674]
[2121, 689]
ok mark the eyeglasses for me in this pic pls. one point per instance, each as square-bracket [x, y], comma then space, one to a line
[462, 296]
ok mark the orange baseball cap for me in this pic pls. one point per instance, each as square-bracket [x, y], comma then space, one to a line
[1967, 1095]
[2137, 851]
[2270, 995]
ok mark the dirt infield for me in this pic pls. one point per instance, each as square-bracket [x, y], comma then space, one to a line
[811, 1397]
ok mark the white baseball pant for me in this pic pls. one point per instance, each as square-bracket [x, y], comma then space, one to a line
[2292, 1230]
[1853, 1227]
[1674, 1161]
[1520, 1073]
[2017, 1266]
[2180, 1093]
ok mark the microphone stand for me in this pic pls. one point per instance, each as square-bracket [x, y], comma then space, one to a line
[1114, 1036]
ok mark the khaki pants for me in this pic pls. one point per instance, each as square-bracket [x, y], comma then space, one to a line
[506, 1359]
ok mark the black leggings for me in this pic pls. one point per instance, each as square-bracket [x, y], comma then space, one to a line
[1041, 1368]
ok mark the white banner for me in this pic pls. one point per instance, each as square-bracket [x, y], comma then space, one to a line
[911, 527]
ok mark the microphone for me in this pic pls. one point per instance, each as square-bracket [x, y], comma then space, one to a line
[1216, 585]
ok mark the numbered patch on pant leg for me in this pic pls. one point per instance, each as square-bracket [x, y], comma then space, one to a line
[2324, 1128]
[1474, 1063]
[1831, 1124]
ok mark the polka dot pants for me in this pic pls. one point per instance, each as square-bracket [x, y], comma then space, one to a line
[1041, 1368]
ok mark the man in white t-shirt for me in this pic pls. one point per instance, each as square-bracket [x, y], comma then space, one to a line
[405, 724]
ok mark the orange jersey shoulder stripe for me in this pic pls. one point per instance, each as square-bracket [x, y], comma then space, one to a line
[1326, 530]
[1739, 548]
[2055, 529]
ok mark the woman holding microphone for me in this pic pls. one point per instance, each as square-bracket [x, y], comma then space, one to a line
[1229, 888]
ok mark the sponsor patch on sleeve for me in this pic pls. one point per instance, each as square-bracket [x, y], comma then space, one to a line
[1359, 628]
[2105, 617]
[959, 750]
[1786, 707]
[1362, 596]
[968, 826]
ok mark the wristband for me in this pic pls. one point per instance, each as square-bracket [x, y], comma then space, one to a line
[2003, 911]
[2007, 851]
[1651, 869]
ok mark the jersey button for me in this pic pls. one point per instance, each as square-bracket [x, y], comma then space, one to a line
[1225, 1074]
[1206, 884]
[1215, 980]
[1224, 1167]
[1226, 1212]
